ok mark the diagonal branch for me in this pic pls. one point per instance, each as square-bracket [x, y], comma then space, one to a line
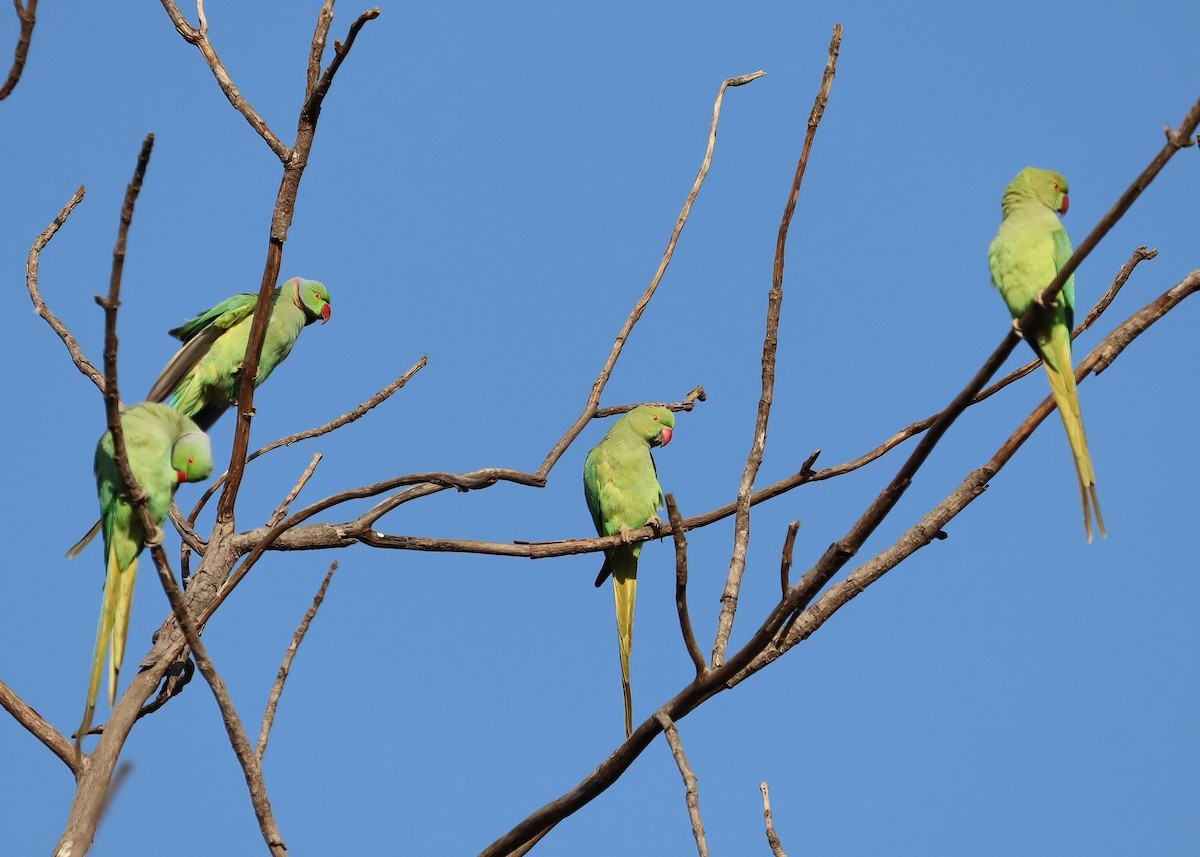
[32, 266]
[27, 15]
[198, 36]
[681, 577]
[268, 719]
[37, 725]
[741, 523]
[690, 784]
[769, 823]
[593, 400]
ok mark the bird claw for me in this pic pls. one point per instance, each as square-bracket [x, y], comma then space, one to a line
[655, 523]
[1016, 326]
[626, 535]
[1044, 302]
[153, 539]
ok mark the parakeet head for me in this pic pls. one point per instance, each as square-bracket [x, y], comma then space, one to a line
[313, 298]
[652, 422]
[191, 457]
[1048, 187]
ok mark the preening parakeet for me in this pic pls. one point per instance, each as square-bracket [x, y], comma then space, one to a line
[1025, 256]
[165, 448]
[620, 483]
[200, 381]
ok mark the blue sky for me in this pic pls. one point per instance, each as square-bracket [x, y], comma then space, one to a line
[493, 188]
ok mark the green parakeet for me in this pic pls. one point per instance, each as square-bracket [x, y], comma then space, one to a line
[200, 381]
[620, 483]
[1024, 257]
[165, 448]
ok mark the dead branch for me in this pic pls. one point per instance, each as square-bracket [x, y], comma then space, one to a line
[593, 400]
[741, 521]
[27, 15]
[681, 576]
[690, 786]
[32, 265]
[284, 668]
[37, 725]
[769, 823]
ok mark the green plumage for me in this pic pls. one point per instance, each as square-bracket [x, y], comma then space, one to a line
[200, 381]
[1027, 253]
[165, 448]
[620, 483]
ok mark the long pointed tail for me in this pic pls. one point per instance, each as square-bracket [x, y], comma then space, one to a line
[120, 629]
[77, 548]
[104, 630]
[624, 595]
[1062, 385]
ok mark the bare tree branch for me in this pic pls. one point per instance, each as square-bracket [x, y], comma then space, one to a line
[27, 15]
[285, 667]
[741, 523]
[25, 714]
[769, 822]
[692, 792]
[593, 401]
[281, 510]
[285, 206]
[32, 265]
[198, 36]
[681, 576]
[336, 423]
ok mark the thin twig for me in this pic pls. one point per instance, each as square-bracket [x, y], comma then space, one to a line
[285, 667]
[27, 15]
[25, 714]
[688, 404]
[593, 400]
[199, 38]
[681, 576]
[785, 561]
[282, 509]
[741, 523]
[336, 423]
[32, 266]
[692, 793]
[769, 822]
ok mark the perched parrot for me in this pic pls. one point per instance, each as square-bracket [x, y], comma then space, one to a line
[620, 483]
[200, 381]
[1026, 254]
[165, 448]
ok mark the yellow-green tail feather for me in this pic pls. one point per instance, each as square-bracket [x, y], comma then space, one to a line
[624, 596]
[1066, 397]
[120, 628]
[104, 634]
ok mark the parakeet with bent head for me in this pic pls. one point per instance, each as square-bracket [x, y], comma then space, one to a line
[620, 483]
[1027, 253]
[165, 449]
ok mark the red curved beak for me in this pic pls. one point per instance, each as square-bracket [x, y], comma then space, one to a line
[1066, 204]
[665, 435]
[182, 474]
[327, 310]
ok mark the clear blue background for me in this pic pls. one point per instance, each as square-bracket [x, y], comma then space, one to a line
[494, 187]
